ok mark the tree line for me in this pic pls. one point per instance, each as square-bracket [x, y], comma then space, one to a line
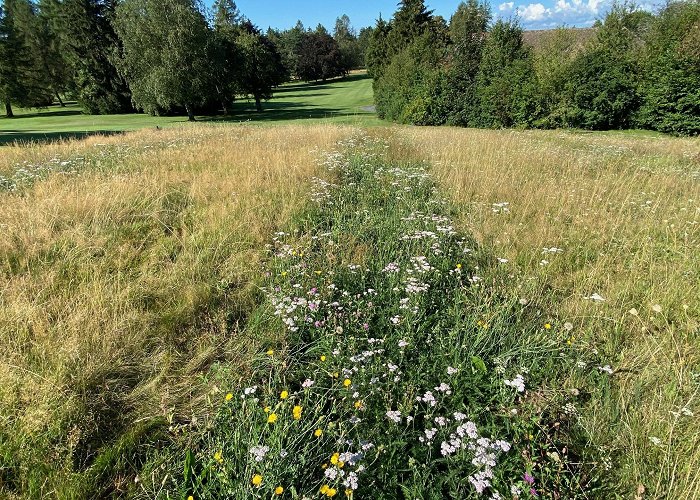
[158, 56]
[639, 70]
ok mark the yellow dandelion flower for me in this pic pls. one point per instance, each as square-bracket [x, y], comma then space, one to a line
[459, 266]
[335, 375]
[270, 352]
[279, 490]
[219, 456]
[331, 492]
[229, 396]
[318, 433]
[324, 489]
[358, 405]
[284, 273]
[284, 395]
[323, 358]
[547, 326]
[272, 418]
[347, 382]
[257, 480]
[324, 466]
[296, 412]
[190, 497]
[335, 458]
[267, 409]
[341, 464]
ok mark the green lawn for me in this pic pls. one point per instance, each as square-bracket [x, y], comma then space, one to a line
[337, 101]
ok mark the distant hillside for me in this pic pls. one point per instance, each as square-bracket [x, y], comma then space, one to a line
[535, 38]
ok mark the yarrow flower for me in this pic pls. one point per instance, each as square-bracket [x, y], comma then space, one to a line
[394, 416]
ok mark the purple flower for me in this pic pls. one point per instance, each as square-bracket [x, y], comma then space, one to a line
[533, 492]
[528, 478]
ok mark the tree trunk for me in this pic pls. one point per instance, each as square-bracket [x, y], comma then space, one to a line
[225, 107]
[258, 104]
[190, 113]
[58, 96]
[8, 110]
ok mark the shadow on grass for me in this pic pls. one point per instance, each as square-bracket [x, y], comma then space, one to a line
[320, 85]
[8, 137]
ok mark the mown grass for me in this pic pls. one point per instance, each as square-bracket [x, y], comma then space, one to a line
[625, 213]
[124, 278]
[339, 101]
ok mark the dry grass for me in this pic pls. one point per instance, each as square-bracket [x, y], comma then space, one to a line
[122, 284]
[626, 212]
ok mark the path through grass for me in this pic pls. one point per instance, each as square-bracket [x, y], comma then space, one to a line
[402, 373]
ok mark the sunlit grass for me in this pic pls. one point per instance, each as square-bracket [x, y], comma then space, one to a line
[625, 212]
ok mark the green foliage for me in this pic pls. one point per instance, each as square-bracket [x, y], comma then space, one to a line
[601, 92]
[261, 65]
[89, 45]
[319, 57]
[351, 52]
[164, 54]
[377, 49]
[671, 84]
[410, 88]
[503, 83]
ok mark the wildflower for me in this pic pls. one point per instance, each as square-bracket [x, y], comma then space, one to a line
[279, 490]
[656, 308]
[606, 369]
[296, 412]
[324, 489]
[318, 432]
[331, 492]
[257, 480]
[347, 382]
[518, 383]
[284, 395]
[307, 383]
[528, 478]
[459, 266]
[219, 457]
[452, 371]
[335, 458]
[267, 409]
[394, 416]
[229, 396]
[284, 273]
[270, 352]
[358, 405]
[348, 493]
[190, 497]
[272, 418]
[323, 358]
[547, 326]
[259, 452]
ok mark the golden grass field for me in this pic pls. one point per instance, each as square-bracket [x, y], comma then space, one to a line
[625, 210]
[124, 283]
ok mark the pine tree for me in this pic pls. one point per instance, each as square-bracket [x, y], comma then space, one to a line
[376, 56]
[410, 21]
[50, 52]
[20, 80]
[89, 44]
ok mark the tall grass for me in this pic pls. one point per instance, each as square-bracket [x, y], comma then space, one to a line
[127, 265]
[615, 215]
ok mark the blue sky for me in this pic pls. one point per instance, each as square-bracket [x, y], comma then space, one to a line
[533, 14]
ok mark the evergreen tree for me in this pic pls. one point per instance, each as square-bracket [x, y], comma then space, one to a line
[20, 79]
[89, 45]
[50, 52]
[377, 49]
[410, 21]
[468, 29]
[504, 77]
[261, 65]
[165, 55]
[346, 38]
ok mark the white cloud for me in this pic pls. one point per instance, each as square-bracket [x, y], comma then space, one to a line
[506, 7]
[534, 12]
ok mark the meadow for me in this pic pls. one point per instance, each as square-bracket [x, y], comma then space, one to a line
[324, 308]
